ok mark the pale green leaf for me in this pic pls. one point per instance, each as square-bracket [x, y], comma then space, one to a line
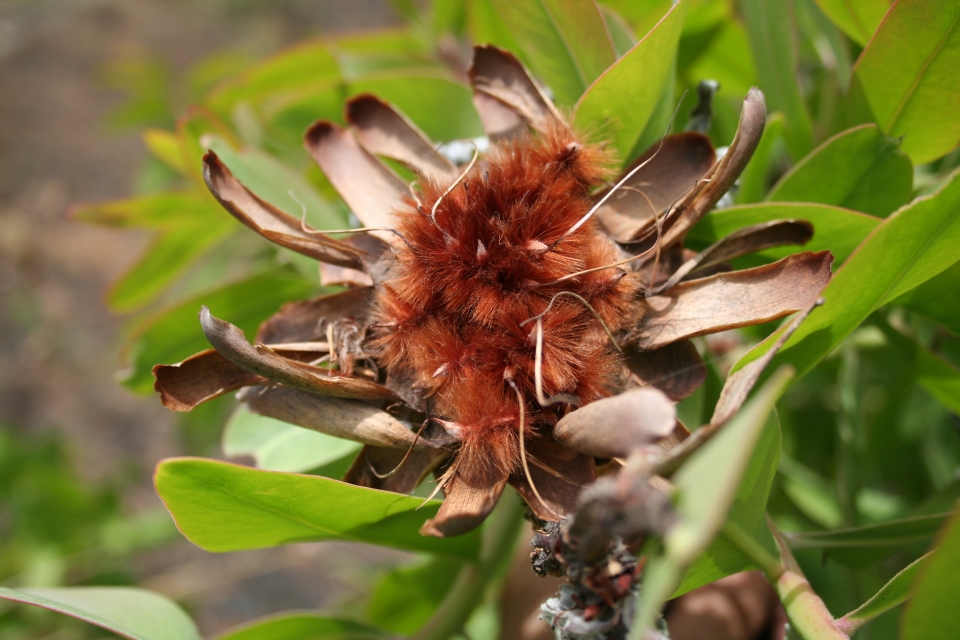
[304, 625]
[856, 18]
[933, 613]
[132, 613]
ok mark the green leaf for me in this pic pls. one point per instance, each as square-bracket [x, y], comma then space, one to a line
[893, 593]
[405, 598]
[302, 626]
[132, 613]
[895, 534]
[174, 333]
[279, 446]
[164, 260]
[440, 105]
[839, 230]
[940, 378]
[937, 299]
[908, 75]
[622, 100]
[225, 507]
[162, 211]
[164, 146]
[565, 41]
[192, 127]
[905, 250]
[722, 488]
[620, 32]
[484, 24]
[770, 29]
[856, 18]
[813, 496]
[745, 522]
[301, 65]
[933, 613]
[859, 169]
[754, 179]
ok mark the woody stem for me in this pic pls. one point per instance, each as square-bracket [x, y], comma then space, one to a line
[499, 536]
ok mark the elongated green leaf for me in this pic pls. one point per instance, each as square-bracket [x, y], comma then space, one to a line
[405, 598]
[440, 105]
[856, 18]
[940, 378]
[908, 76]
[164, 260]
[814, 496]
[933, 613]
[621, 101]
[723, 488]
[620, 32]
[225, 507]
[859, 169]
[887, 535]
[162, 211]
[164, 146]
[298, 66]
[174, 333]
[937, 299]
[754, 179]
[745, 522]
[770, 25]
[132, 613]
[565, 42]
[279, 446]
[839, 230]
[893, 593]
[905, 250]
[304, 625]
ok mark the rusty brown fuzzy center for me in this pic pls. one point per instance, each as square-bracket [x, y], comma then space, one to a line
[457, 314]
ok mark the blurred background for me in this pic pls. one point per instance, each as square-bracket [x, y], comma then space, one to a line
[79, 80]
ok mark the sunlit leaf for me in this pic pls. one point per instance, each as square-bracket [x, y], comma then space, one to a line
[856, 18]
[908, 75]
[163, 211]
[933, 613]
[192, 127]
[859, 169]
[302, 626]
[132, 613]
[835, 229]
[279, 446]
[165, 147]
[770, 28]
[565, 42]
[905, 250]
[225, 507]
[617, 105]
[174, 333]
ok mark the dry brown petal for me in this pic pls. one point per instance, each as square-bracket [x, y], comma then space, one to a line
[671, 170]
[263, 361]
[368, 187]
[334, 276]
[465, 506]
[384, 131]
[558, 473]
[499, 75]
[201, 377]
[500, 122]
[271, 223]
[615, 426]
[730, 300]
[375, 462]
[718, 181]
[675, 369]
[758, 237]
[342, 418]
[300, 321]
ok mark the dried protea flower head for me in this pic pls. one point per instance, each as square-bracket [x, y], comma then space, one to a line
[510, 320]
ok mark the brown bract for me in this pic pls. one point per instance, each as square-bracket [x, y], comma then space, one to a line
[526, 317]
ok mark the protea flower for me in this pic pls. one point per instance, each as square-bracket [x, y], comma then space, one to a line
[502, 315]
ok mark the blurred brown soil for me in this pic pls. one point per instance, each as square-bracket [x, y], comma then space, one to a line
[58, 343]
